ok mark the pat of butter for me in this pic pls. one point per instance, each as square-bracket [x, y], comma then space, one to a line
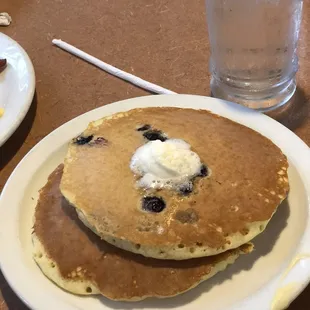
[1, 112]
[165, 164]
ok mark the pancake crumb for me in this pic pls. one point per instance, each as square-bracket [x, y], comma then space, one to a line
[5, 19]
[219, 229]
[234, 208]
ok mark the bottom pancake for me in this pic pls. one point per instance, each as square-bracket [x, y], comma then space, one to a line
[77, 260]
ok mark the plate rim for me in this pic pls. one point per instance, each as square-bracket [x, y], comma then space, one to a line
[132, 103]
[30, 94]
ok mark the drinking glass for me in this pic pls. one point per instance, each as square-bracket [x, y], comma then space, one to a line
[253, 50]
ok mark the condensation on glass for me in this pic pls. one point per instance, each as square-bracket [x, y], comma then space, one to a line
[253, 50]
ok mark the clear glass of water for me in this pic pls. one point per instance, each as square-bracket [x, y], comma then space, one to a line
[253, 50]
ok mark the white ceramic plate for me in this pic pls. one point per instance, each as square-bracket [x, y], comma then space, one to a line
[17, 85]
[274, 273]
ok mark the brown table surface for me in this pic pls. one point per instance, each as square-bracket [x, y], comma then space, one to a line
[163, 41]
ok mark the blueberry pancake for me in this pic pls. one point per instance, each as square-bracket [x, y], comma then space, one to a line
[172, 183]
[80, 262]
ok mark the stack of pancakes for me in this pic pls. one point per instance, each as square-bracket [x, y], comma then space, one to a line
[92, 234]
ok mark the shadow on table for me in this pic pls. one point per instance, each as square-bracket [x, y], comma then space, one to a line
[263, 244]
[14, 143]
[302, 302]
[294, 113]
[11, 300]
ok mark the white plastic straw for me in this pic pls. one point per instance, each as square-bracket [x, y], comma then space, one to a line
[112, 70]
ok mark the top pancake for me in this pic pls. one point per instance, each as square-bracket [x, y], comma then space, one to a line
[228, 208]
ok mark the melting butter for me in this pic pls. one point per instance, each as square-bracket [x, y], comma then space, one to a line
[284, 294]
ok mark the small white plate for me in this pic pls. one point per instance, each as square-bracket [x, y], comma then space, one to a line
[17, 85]
[269, 278]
